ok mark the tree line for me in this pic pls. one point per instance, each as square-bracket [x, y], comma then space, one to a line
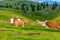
[28, 7]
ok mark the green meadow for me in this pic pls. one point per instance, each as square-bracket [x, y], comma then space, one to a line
[32, 31]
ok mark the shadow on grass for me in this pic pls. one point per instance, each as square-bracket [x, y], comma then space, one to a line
[51, 30]
[42, 29]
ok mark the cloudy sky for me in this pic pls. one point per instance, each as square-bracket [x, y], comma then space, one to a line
[46, 0]
[52, 0]
[49, 1]
[1, 0]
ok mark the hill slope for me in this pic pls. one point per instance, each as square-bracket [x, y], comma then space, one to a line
[29, 32]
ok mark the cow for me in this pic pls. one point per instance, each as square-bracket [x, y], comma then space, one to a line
[49, 24]
[26, 21]
[16, 22]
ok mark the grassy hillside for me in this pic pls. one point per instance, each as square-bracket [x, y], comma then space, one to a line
[29, 32]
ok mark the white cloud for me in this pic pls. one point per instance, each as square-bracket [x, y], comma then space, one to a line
[38, 0]
[41, 1]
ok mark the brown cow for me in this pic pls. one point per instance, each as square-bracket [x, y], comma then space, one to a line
[16, 22]
[48, 24]
[55, 25]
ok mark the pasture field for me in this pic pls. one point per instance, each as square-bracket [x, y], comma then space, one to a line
[29, 32]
